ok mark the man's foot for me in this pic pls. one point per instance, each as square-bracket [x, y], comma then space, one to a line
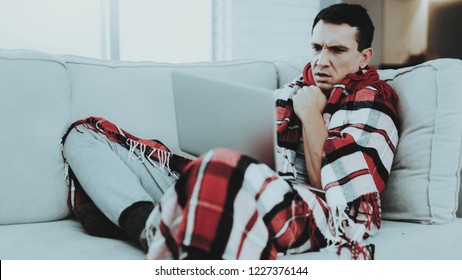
[133, 221]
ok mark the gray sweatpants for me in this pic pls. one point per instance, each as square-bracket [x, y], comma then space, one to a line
[113, 177]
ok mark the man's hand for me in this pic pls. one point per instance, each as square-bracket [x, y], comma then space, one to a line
[309, 104]
[309, 100]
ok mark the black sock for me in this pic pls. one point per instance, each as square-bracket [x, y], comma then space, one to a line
[133, 221]
[199, 254]
[96, 223]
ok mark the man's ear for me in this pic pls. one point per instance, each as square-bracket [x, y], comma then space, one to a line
[366, 56]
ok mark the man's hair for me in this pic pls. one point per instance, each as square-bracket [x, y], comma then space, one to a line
[353, 15]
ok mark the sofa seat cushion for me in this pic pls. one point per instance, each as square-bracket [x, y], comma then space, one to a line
[61, 240]
[67, 240]
[407, 241]
[401, 240]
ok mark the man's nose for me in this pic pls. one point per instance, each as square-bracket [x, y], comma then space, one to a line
[323, 58]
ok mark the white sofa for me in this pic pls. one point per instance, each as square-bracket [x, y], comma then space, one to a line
[42, 94]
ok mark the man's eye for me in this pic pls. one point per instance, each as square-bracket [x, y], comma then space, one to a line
[317, 48]
[337, 50]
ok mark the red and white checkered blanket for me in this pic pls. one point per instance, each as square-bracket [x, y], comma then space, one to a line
[233, 207]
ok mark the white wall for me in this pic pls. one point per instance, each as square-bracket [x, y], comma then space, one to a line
[273, 29]
[267, 29]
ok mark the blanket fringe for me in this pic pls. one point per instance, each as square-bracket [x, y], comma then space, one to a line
[138, 149]
[350, 224]
[358, 252]
[368, 206]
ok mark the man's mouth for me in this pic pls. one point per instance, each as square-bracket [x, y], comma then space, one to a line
[321, 76]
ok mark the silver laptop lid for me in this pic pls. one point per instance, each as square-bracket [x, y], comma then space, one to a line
[212, 113]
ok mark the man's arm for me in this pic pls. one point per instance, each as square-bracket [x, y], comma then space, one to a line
[309, 103]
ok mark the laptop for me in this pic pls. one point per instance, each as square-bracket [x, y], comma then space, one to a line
[212, 113]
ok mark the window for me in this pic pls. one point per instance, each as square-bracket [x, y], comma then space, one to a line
[165, 30]
[159, 30]
[56, 26]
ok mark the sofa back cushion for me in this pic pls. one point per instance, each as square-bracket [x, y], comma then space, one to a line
[138, 95]
[290, 68]
[425, 179]
[35, 110]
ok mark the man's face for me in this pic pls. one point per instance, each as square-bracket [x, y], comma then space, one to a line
[335, 54]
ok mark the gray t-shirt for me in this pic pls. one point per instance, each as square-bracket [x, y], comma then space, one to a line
[302, 174]
[300, 163]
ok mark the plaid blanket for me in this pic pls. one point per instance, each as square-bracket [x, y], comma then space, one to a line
[231, 206]
[206, 208]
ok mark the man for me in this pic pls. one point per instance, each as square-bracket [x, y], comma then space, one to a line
[337, 134]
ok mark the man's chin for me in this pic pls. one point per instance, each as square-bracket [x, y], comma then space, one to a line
[325, 87]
